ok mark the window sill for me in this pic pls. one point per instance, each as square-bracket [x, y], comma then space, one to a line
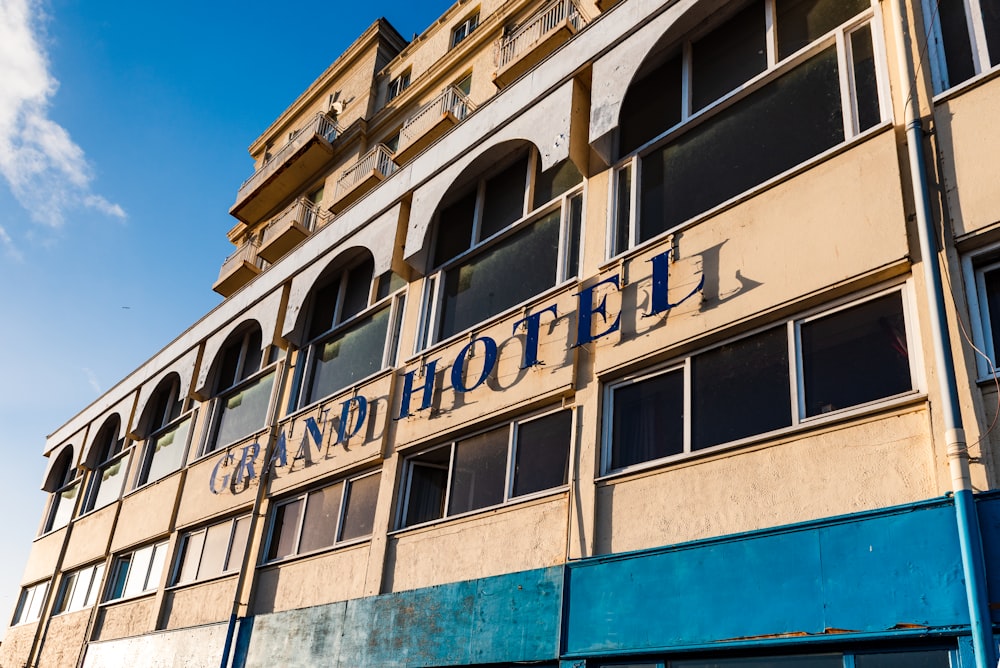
[958, 89]
[519, 503]
[305, 556]
[128, 599]
[195, 583]
[837, 420]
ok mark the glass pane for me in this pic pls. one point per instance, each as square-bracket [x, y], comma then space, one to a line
[239, 545]
[991, 279]
[651, 106]
[816, 661]
[359, 515]
[213, 557]
[244, 411]
[506, 274]
[138, 571]
[166, 451]
[66, 593]
[95, 586]
[349, 355]
[991, 23]
[623, 211]
[957, 44]
[324, 308]
[190, 557]
[23, 601]
[542, 456]
[648, 420]
[504, 200]
[34, 612]
[428, 483]
[768, 132]
[156, 567]
[554, 181]
[575, 232]
[935, 658]
[65, 500]
[740, 389]
[110, 480]
[480, 474]
[322, 516]
[359, 286]
[865, 84]
[119, 575]
[866, 342]
[729, 56]
[801, 22]
[283, 530]
[454, 229]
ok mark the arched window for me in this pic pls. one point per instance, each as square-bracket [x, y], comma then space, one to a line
[67, 480]
[242, 390]
[167, 432]
[501, 237]
[735, 105]
[353, 328]
[111, 463]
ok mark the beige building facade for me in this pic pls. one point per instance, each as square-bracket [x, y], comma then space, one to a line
[632, 333]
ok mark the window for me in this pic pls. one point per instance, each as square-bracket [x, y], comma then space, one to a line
[502, 240]
[924, 658]
[243, 392]
[842, 358]
[167, 442]
[108, 479]
[62, 502]
[338, 513]
[398, 85]
[487, 469]
[137, 572]
[464, 29]
[350, 337]
[985, 295]
[30, 604]
[731, 111]
[79, 589]
[212, 551]
[966, 39]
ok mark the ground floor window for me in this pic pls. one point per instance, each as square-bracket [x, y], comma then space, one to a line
[137, 572]
[79, 589]
[30, 604]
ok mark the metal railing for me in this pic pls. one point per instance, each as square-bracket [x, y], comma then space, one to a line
[525, 36]
[379, 159]
[308, 215]
[245, 253]
[321, 124]
[451, 100]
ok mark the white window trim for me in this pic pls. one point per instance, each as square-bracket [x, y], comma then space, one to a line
[935, 40]
[465, 28]
[94, 588]
[148, 587]
[974, 266]
[175, 570]
[20, 611]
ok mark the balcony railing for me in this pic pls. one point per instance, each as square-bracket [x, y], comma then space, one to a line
[450, 101]
[321, 125]
[551, 17]
[290, 227]
[359, 178]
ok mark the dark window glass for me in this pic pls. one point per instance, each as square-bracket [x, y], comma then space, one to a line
[165, 452]
[730, 55]
[957, 45]
[991, 23]
[286, 525]
[454, 229]
[651, 106]
[865, 80]
[937, 658]
[623, 210]
[319, 529]
[740, 389]
[359, 283]
[190, 557]
[554, 181]
[119, 575]
[504, 199]
[480, 472]
[816, 661]
[243, 412]
[542, 458]
[359, 511]
[855, 356]
[991, 279]
[428, 483]
[648, 421]
[509, 272]
[575, 235]
[350, 355]
[324, 308]
[770, 131]
[800, 22]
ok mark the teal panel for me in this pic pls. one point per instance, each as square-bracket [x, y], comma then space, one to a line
[868, 574]
[988, 507]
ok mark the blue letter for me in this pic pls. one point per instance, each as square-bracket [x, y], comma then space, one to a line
[280, 455]
[247, 457]
[586, 311]
[457, 369]
[658, 301]
[532, 324]
[224, 460]
[404, 403]
[312, 429]
[345, 415]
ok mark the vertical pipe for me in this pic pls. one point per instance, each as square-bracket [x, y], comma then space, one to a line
[967, 520]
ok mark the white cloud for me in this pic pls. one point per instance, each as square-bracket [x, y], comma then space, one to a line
[45, 169]
[92, 380]
[8, 245]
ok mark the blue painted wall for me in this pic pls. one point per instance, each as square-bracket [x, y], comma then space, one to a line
[988, 506]
[491, 620]
[870, 574]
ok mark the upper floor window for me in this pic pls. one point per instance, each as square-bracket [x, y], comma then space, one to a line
[464, 29]
[168, 432]
[352, 330]
[137, 572]
[506, 237]
[79, 589]
[840, 359]
[739, 105]
[212, 551]
[242, 390]
[322, 518]
[62, 501]
[108, 478]
[487, 469]
[30, 604]
[397, 86]
[966, 37]
[983, 291]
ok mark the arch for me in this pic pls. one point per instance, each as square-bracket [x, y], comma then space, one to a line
[99, 447]
[184, 369]
[62, 462]
[157, 409]
[254, 354]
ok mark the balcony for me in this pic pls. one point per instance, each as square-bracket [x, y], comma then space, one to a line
[362, 176]
[238, 269]
[535, 39]
[290, 167]
[432, 120]
[290, 227]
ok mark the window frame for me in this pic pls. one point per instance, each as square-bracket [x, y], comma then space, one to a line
[975, 266]
[72, 477]
[25, 606]
[433, 288]
[397, 85]
[776, 67]
[181, 557]
[462, 31]
[509, 499]
[798, 413]
[119, 453]
[67, 594]
[976, 31]
[142, 478]
[126, 560]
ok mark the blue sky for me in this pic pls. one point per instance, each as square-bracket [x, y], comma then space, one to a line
[123, 135]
